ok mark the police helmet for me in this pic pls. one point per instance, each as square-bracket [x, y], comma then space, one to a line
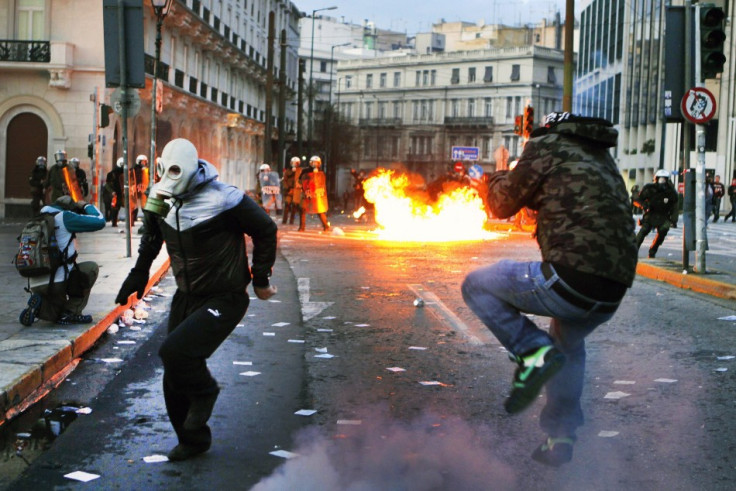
[41, 162]
[120, 163]
[265, 167]
[74, 162]
[661, 173]
[60, 156]
[295, 161]
[141, 160]
[315, 161]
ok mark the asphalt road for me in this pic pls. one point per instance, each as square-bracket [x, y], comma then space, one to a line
[658, 403]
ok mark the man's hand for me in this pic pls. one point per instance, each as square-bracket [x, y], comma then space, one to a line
[135, 282]
[265, 292]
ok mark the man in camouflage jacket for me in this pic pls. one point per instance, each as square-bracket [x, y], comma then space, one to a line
[586, 235]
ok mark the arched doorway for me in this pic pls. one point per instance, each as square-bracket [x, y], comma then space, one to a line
[27, 139]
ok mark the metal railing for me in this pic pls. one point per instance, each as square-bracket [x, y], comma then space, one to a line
[27, 51]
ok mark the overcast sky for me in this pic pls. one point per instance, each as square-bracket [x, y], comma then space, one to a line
[412, 16]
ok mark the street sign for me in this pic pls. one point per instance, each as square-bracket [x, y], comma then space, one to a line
[465, 153]
[134, 101]
[698, 105]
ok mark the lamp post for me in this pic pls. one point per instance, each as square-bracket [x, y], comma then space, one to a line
[311, 78]
[160, 10]
[332, 64]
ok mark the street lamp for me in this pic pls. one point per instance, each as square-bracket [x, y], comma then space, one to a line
[311, 78]
[332, 64]
[160, 10]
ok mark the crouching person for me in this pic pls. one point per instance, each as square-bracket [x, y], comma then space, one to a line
[62, 297]
[202, 222]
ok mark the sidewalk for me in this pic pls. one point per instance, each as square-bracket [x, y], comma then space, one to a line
[33, 360]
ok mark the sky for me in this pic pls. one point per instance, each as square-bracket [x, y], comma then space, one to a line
[412, 16]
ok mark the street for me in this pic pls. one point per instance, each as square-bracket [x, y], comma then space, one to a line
[406, 396]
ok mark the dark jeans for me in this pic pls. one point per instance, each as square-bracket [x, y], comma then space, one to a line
[647, 223]
[55, 299]
[197, 327]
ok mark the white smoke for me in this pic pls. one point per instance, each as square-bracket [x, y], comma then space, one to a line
[431, 453]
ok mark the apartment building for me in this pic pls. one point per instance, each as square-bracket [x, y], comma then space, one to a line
[212, 72]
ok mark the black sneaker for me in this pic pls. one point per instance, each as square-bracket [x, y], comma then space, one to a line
[535, 369]
[67, 318]
[183, 451]
[29, 314]
[554, 452]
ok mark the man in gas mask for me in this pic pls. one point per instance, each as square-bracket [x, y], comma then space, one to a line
[202, 222]
[659, 202]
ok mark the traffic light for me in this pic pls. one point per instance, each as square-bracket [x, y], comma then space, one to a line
[528, 121]
[712, 37]
[518, 123]
[105, 111]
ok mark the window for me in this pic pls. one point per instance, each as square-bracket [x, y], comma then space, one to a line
[551, 79]
[509, 107]
[30, 24]
[415, 110]
[455, 108]
[515, 73]
[433, 77]
[425, 77]
[323, 67]
[430, 110]
[397, 109]
[488, 107]
[471, 108]
[488, 74]
[382, 80]
[471, 74]
[419, 77]
[369, 81]
[397, 79]
[424, 110]
[348, 81]
[368, 110]
[382, 110]
[455, 79]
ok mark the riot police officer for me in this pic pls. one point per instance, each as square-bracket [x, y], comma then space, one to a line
[55, 179]
[81, 176]
[37, 183]
[314, 197]
[659, 202]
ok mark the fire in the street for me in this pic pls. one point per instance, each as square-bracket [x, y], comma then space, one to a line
[405, 212]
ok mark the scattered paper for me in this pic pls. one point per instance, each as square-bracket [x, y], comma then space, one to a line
[616, 395]
[285, 454]
[269, 333]
[280, 324]
[111, 360]
[329, 317]
[135, 328]
[362, 325]
[420, 348]
[153, 459]
[607, 434]
[250, 373]
[728, 357]
[84, 410]
[81, 476]
[275, 301]
[240, 325]
[320, 350]
[251, 315]
[365, 287]
[324, 355]
[353, 422]
[624, 382]
[126, 341]
[666, 380]
[243, 363]
[295, 341]
[721, 369]
[324, 330]
[728, 318]
[305, 412]
[396, 369]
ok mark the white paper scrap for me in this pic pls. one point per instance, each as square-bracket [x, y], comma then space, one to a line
[111, 360]
[81, 476]
[607, 434]
[430, 382]
[320, 350]
[153, 459]
[324, 330]
[353, 422]
[135, 328]
[126, 341]
[250, 373]
[240, 325]
[324, 355]
[721, 369]
[365, 287]
[275, 301]
[248, 363]
[420, 348]
[362, 325]
[269, 333]
[616, 395]
[280, 324]
[295, 341]
[284, 454]
[728, 357]
[329, 317]
[624, 382]
[305, 412]
[84, 410]
[666, 380]
[396, 369]
[728, 318]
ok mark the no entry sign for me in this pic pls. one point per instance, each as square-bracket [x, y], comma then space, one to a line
[698, 105]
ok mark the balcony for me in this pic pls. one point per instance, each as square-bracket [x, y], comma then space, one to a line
[469, 122]
[25, 51]
[380, 122]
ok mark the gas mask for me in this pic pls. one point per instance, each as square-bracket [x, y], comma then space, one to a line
[178, 164]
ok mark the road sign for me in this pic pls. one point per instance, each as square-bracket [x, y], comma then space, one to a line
[698, 105]
[134, 101]
[465, 153]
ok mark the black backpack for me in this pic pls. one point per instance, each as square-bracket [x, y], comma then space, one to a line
[38, 250]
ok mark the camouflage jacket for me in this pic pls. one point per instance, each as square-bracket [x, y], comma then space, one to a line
[567, 175]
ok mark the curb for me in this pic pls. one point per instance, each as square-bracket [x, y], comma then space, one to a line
[687, 281]
[34, 384]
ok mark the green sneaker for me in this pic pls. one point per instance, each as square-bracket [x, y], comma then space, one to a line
[535, 369]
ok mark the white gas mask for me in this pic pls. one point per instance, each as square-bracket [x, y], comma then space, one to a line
[175, 169]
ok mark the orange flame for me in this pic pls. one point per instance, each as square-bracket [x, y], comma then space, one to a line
[71, 183]
[405, 213]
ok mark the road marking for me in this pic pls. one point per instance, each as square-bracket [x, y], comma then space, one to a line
[309, 309]
[444, 314]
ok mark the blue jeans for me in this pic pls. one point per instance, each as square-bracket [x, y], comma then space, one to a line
[501, 294]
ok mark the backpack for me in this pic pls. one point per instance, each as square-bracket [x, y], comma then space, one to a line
[38, 251]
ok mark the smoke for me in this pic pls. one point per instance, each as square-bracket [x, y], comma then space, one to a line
[430, 453]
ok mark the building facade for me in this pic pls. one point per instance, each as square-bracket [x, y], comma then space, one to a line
[212, 71]
[411, 110]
